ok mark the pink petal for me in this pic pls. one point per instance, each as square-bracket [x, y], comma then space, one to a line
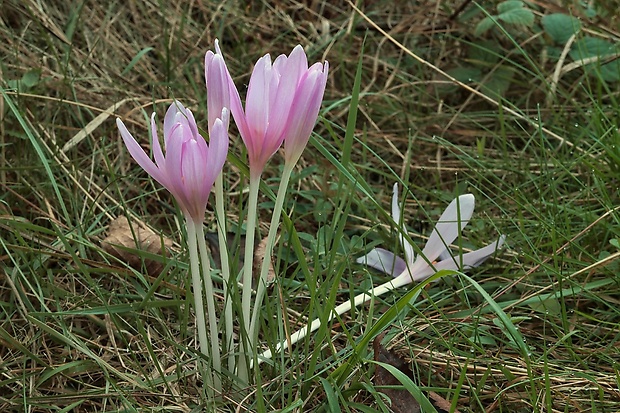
[297, 62]
[218, 90]
[170, 120]
[194, 170]
[235, 101]
[218, 150]
[384, 261]
[256, 106]
[208, 59]
[304, 113]
[174, 164]
[291, 71]
[308, 99]
[188, 119]
[138, 154]
[156, 146]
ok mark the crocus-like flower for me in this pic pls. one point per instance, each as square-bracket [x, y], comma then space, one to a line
[218, 84]
[450, 224]
[436, 255]
[190, 165]
[282, 104]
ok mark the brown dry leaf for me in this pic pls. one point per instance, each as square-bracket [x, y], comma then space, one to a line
[440, 403]
[259, 256]
[402, 400]
[120, 241]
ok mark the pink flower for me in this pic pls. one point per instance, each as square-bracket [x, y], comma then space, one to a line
[190, 166]
[282, 105]
[435, 256]
[218, 84]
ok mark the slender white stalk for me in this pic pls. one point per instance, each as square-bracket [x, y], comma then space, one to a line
[212, 319]
[271, 238]
[339, 310]
[198, 304]
[229, 283]
[245, 349]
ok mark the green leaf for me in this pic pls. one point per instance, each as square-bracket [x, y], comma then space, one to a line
[615, 242]
[498, 83]
[135, 60]
[549, 306]
[332, 399]
[486, 51]
[560, 27]
[521, 16]
[594, 47]
[591, 47]
[31, 78]
[610, 72]
[507, 6]
[409, 385]
[485, 25]
[466, 74]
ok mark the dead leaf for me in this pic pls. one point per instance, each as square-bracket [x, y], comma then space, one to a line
[440, 403]
[259, 254]
[402, 400]
[121, 243]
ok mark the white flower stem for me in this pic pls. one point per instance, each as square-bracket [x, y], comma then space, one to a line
[198, 304]
[212, 319]
[339, 310]
[271, 238]
[229, 283]
[248, 259]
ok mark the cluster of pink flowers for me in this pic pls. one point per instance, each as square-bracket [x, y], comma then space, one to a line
[282, 105]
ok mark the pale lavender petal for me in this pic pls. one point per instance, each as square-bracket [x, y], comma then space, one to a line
[208, 59]
[235, 107]
[138, 154]
[304, 113]
[218, 90]
[444, 255]
[452, 221]
[397, 217]
[174, 164]
[466, 261]
[218, 149]
[291, 71]
[477, 257]
[191, 122]
[256, 108]
[281, 106]
[156, 146]
[384, 261]
[170, 121]
[279, 64]
[297, 62]
[193, 167]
